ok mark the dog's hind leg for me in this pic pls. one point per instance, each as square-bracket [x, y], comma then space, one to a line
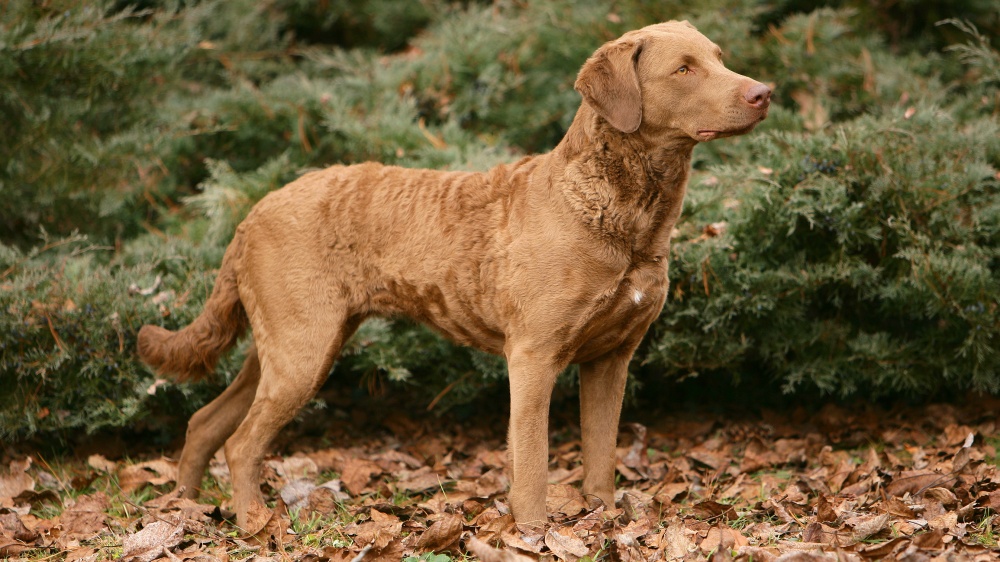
[296, 353]
[215, 422]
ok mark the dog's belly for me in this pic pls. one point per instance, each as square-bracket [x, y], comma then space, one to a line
[466, 329]
[446, 311]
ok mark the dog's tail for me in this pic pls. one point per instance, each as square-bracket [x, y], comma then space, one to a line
[191, 352]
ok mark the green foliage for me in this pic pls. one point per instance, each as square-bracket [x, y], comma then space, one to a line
[860, 248]
[845, 267]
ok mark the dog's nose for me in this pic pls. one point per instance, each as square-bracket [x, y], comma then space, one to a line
[758, 96]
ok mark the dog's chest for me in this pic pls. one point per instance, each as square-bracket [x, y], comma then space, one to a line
[623, 312]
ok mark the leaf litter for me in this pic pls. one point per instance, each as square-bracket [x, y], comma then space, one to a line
[916, 484]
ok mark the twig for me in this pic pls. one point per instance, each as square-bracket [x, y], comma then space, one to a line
[361, 555]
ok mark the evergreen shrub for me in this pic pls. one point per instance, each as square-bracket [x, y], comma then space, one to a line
[849, 244]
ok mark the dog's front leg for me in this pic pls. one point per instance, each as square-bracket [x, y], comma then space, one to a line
[532, 376]
[602, 386]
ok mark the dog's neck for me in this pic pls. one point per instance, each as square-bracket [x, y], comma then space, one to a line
[624, 187]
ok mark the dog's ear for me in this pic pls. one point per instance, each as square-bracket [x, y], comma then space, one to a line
[609, 83]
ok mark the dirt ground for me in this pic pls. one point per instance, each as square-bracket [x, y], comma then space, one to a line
[836, 483]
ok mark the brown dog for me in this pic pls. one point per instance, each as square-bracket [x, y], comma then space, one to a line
[556, 259]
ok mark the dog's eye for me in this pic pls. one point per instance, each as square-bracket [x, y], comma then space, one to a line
[682, 70]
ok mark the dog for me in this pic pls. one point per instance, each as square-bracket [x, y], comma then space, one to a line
[555, 259]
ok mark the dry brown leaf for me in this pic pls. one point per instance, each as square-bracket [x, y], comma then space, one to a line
[394, 457]
[528, 539]
[16, 479]
[824, 510]
[186, 508]
[391, 552]
[155, 472]
[899, 508]
[442, 535]
[150, 543]
[819, 533]
[565, 499]
[718, 539]
[944, 522]
[709, 458]
[357, 473]
[83, 554]
[487, 553]
[12, 527]
[956, 434]
[931, 540]
[755, 553]
[326, 497]
[943, 495]
[566, 546]
[635, 457]
[99, 462]
[867, 525]
[915, 482]
[756, 456]
[634, 504]
[710, 509]
[678, 542]
[85, 518]
[884, 550]
[296, 493]
[10, 548]
[420, 480]
[382, 529]
[491, 530]
[669, 493]
[492, 483]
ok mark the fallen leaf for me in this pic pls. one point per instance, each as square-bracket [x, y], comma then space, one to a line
[296, 493]
[83, 554]
[916, 482]
[883, 550]
[186, 508]
[867, 525]
[16, 479]
[378, 532]
[10, 548]
[357, 473]
[565, 547]
[12, 527]
[679, 543]
[155, 472]
[824, 510]
[151, 542]
[85, 518]
[420, 480]
[442, 535]
[710, 509]
[565, 499]
[492, 483]
[99, 462]
[487, 553]
[718, 538]
[491, 530]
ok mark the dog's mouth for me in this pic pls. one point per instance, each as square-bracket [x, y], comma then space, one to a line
[705, 135]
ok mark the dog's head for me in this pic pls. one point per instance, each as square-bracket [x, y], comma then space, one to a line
[668, 80]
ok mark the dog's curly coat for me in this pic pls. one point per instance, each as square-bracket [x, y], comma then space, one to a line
[558, 258]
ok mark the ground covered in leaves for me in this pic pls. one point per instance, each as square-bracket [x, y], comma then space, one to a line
[917, 483]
